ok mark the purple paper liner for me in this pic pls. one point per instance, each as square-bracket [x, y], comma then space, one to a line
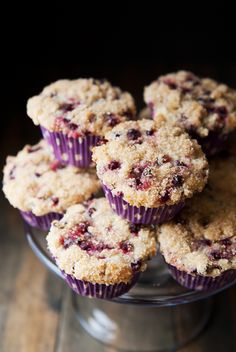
[68, 150]
[141, 215]
[41, 222]
[213, 143]
[102, 291]
[199, 282]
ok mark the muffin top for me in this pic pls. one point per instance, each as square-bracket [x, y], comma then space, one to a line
[202, 238]
[94, 244]
[34, 181]
[200, 105]
[151, 163]
[80, 107]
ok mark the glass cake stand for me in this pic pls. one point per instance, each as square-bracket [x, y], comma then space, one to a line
[155, 315]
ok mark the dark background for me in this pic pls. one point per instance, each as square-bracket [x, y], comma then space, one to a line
[128, 43]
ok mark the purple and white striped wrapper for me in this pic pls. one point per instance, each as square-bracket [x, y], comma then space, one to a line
[213, 143]
[41, 222]
[141, 215]
[72, 151]
[199, 282]
[102, 291]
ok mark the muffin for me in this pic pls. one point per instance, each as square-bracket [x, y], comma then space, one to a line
[42, 188]
[75, 114]
[148, 169]
[200, 244]
[100, 254]
[204, 107]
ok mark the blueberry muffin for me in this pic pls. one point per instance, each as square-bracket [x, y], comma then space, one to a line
[199, 245]
[42, 188]
[148, 169]
[75, 114]
[204, 107]
[99, 254]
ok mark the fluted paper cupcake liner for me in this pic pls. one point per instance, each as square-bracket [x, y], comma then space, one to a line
[41, 222]
[141, 215]
[72, 151]
[199, 282]
[102, 291]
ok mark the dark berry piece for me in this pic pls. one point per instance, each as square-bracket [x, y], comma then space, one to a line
[177, 181]
[216, 255]
[55, 200]
[113, 120]
[171, 84]
[91, 211]
[221, 111]
[150, 132]
[133, 134]
[12, 173]
[136, 266]
[135, 228]
[72, 126]
[55, 165]
[179, 163]
[113, 165]
[226, 242]
[33, 149]
[101, 141]
[165, 197]
[164, 159]
[37, 174]
[126, 247]
[205, 242]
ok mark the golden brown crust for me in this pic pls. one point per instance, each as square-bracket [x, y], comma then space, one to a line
[94, 244]
[82, 106]
[34, 181]
[151, 164]
[198, 104]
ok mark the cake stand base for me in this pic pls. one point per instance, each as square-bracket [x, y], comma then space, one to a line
[140, 328]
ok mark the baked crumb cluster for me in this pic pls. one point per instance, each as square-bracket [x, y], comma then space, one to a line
[81, 107]
[202, 239]
[35, 181]
[94, 244]
[151, 163]
[200, 105]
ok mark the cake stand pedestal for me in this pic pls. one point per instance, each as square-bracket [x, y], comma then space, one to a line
[156, 315]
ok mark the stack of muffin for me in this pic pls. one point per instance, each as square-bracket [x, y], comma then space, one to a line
[150, 171]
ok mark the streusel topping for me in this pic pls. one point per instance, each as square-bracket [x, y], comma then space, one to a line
[200, 105]
[151, 163]
[202, 239]
[94, 244]
[35, 181]
[81, 107]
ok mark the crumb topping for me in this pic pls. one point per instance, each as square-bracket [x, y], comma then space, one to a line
[34, 181]
[81, 107]
[202, 238]
[151, 163]
[200, 105]
[94, 244]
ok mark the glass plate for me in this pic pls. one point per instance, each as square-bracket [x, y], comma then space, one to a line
[154, 288]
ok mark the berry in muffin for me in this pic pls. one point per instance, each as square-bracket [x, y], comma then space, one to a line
[99, 253]
[204, 107]
[199, 245]
[75, 114]
[148, 169]
[42, 188]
